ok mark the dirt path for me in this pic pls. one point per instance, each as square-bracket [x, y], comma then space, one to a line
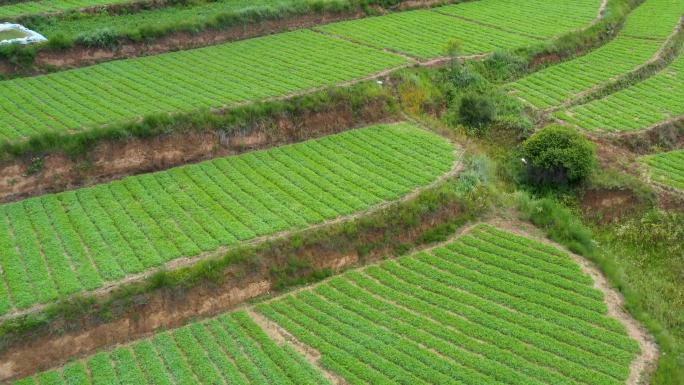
[281, 336]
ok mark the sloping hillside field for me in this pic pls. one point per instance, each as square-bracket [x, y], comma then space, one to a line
[251, 70]
[181, 81]
[46, 6]
[56, 245]
[227, 350]
[638, 41]
[477, 26]
[667, 168]
[626, 110]
[488, 308]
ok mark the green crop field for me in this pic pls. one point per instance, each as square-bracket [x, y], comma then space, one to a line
[537, 18]
[477, 26]
[202, 14]
[488, 308]
[230, 349]
[425, 34]
[182, 81]
[640, 106]
[55, 245]
[638, 42]
[666, 168]
[48, 6]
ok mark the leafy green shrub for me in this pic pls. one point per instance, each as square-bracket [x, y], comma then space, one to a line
[60, 41]
[476, 112]
[502, 66]
[101, 38]
[558, 155]
[18, 55]
[462, 78]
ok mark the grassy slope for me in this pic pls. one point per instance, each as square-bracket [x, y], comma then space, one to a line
[645, 258]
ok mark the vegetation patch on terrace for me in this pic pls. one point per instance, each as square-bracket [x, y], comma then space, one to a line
[626, 110]
[488, 307]
[57, 245]
[636, 44]
[666, 168]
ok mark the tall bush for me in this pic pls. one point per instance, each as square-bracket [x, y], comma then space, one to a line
[558, 155]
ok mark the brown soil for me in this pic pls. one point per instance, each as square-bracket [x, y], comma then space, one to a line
[118, 158]
[668, 135]
[606, 205]
[544, 60]
[167, 308]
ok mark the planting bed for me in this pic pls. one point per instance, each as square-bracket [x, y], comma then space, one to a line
[666, 168]
[425, 34]
[536, 18]
[639, 41]
[488, 308]
[478, 26]
[56, 245]
[202, 15]
[48, 6]
[181, 81]
[653, 101]
[230, 349]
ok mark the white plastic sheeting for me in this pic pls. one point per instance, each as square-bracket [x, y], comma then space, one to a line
[30, 38]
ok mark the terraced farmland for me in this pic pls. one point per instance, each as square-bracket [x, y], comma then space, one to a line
[193, 14]
[425, 34]
[666, 168]
[230, 349]
[49, 6]
[56, 245]
[537, 18]
[489, 308]
[181, 81]
[640, 106]
[638, 42]
[480, 26]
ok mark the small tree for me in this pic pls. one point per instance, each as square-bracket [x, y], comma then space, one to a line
[476, 112]
[558, 155]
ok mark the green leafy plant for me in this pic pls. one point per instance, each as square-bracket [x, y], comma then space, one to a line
[557, 156]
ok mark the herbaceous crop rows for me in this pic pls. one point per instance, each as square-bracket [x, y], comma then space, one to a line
[425, 34]
[638, 42]
[477, 26]
[230, 349]
[167, 16]
[537, 18]
[55, 245]
[489, 308]
[642, 105]
[48, 6]
[667, 168]
[181, 81]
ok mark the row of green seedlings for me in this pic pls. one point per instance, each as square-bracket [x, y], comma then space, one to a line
[383, 324]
